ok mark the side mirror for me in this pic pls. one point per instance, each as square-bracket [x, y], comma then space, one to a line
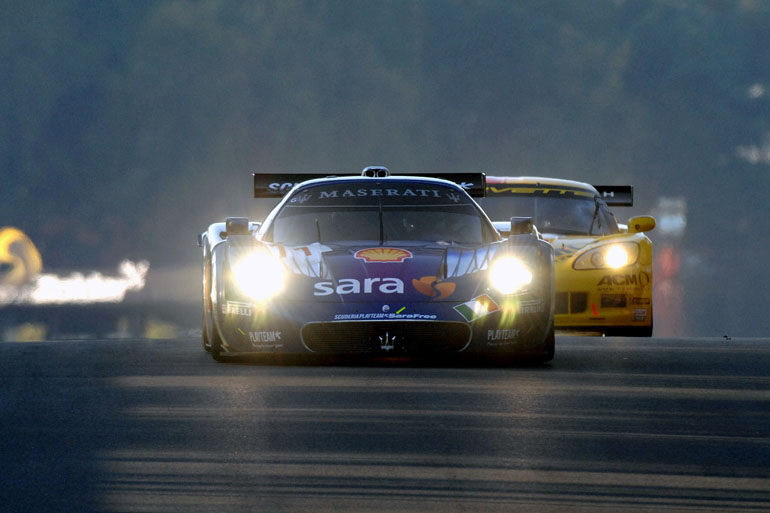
[520, 225]
[639, 224]
[237, 225]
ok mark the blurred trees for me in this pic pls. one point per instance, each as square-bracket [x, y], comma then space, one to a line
[126, 127]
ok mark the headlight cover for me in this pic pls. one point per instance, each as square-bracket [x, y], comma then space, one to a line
[509, 275]
[259, 275]
[609, 256]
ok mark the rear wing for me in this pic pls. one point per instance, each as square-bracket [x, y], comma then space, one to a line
[276, 185]
[616, 195]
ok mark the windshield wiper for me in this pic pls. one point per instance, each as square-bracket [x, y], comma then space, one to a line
[596, 217]
[382, 230]
[318, 229]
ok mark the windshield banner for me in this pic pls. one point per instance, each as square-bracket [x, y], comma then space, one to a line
[276, 185]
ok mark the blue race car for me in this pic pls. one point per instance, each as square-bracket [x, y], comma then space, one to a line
[376, 265]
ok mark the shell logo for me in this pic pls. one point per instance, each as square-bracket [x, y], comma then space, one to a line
[383, 255]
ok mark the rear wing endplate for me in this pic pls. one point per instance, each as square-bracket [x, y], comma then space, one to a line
[276, 185]
[616, 195]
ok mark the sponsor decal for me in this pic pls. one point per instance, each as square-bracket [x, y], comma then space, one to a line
[380, 316]
[477, 307]
[383, 255]
[434, 289]
[353, 286]
[301, 198]
[642, 279]
[640, 314]
[534, 306]
[265, 340]
[360, 193]
[460, 262]
[237, 308]
[304, 260]
[502, 335]
[538, 191]
[264, 336]
[280, 187]
[640, 301]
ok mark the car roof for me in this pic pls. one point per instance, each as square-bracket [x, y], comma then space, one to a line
[540, 180]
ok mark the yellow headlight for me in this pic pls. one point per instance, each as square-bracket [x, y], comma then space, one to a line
[509, 275]
[610, 256]
[616, 257]
[259, 275]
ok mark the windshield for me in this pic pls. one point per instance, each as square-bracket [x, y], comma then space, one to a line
[560, 215]
[380, 212]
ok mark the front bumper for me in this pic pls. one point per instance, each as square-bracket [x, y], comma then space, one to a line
[602, 300]
[513, 325]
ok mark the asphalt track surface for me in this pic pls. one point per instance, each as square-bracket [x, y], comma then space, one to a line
[613, 424]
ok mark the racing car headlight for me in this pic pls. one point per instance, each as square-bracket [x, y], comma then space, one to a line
[509, 275]
[259, 275]
[610, 256]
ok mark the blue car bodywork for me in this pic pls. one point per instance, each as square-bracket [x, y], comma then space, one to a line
[379, 266]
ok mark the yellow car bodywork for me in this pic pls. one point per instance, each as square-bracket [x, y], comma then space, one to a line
[594, 293]
[20, 260]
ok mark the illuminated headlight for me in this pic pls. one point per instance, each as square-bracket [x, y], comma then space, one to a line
[611, 256]
[259, 275]
[509, 275]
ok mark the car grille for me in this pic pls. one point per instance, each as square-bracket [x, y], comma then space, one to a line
[572, 302]
[386, 337]
[561, 303]
[578, 302]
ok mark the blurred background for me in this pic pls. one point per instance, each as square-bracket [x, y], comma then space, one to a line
[127, 127]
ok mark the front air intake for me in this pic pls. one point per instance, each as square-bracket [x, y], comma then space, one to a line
[386, 337]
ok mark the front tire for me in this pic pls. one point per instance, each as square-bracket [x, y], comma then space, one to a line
[206, 302]
[217, 349]
[550, 346]
[205, 335]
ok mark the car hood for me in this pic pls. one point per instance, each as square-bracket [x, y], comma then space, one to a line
[567, 246]
[366, 273]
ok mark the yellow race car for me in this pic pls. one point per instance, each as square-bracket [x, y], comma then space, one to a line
[603, 269]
